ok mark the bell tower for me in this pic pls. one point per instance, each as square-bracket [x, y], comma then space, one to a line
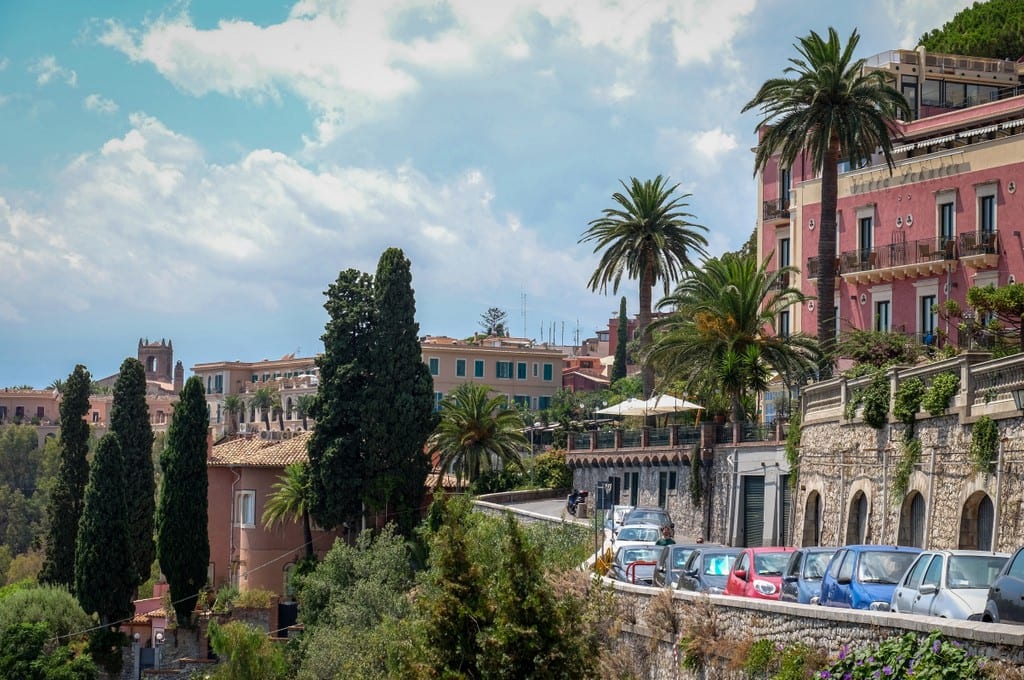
[158, 359]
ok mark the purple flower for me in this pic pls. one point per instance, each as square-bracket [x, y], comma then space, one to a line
[825, 675]
[887, 670]
[843, 651]
[935, 647]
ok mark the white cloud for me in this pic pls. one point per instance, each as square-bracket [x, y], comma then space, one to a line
[99, 104]
[47, 70]
[147, 213]
[713, 143]
[910, 19]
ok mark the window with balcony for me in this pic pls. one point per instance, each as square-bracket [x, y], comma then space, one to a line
[245, 508]
[947, 223]
[785, 182]
[987, 213]
[460, 368]
[927, 318]
[435, 366]
[478, 368]
[784, 324]
[866, 235]
[783, 252]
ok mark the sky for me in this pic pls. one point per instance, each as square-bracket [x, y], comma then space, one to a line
[202, 171]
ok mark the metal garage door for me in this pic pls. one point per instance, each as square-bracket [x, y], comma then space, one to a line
[753, 511]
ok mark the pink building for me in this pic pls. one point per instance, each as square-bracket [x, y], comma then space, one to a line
[947, 218]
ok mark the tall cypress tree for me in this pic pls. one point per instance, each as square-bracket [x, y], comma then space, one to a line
[104, 580]
[399, 399]
[336, 448]
[183, 546]
[129, 419]
[66, 499]
[622, 337]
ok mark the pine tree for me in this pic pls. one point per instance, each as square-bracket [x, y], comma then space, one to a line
[337, 445]
[104, 577]
[622, 337]
[399, 400]
[183, 546]
[66, 499]
[129, 419]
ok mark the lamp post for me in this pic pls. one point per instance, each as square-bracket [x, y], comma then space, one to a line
[599, 502]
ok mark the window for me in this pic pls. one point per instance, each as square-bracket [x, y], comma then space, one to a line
[522, 400]
[521, 370]
[460, 368]
[254, 378]
[785, 181]
[846, 568]
[536, 369]
[548, 372]
[927, 319]
[632, 480]
[883, 320]
[503, 370]
[438, 398]
[95, 415]
[934, 573]
[783, 252]
[435, 366]
[947, 225]
[40, 411]
[916, 573]
[666, 483]
[987, 214]
[218, 384]
[866, 232]
[245, 508]
[784, 324]
[543, 403]
[478, 368]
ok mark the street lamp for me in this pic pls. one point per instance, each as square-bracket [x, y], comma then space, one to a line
[605, 489]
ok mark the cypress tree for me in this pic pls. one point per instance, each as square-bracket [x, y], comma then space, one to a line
[336, 447]
[129, 419]
[622, 337]
[66, 499]
[183, 546]
[399, 400]
[104, 579]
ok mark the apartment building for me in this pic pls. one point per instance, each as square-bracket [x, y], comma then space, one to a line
[526, 373]
[947, 218]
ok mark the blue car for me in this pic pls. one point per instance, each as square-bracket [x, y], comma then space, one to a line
[865, 576]
[801, 580]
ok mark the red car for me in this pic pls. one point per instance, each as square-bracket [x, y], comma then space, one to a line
[757, 572]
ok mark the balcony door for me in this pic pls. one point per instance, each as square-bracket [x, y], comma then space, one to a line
[866, 234]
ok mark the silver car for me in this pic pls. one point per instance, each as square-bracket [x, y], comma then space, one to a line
[952, 584]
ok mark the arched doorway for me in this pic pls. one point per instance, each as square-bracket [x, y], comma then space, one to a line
[976, 522]
[857, 521]
[812, 520]
[912, 516]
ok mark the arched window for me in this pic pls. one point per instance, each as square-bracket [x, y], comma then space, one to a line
[288, 409]
[857, 521]
[912, 516]
[812, 520]
[976, 522]
[151, 364]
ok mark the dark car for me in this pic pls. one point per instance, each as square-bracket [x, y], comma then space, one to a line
[706, 569]
[635, 563]
[670, 564]
[801, 581]
[648, 515]
[1005, 603]
[865, 576]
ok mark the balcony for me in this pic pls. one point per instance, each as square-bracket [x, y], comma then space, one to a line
[780, 283]
[776, 210]
[910, 259]
[814, 267]
[979, 250]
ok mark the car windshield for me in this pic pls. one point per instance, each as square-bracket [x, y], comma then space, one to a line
[631, 533]
[646, 518]
[974, 571]
[814, 565]
[770, 564]
[679, 556]
[883, 567]
[640, 554]
[717, 564]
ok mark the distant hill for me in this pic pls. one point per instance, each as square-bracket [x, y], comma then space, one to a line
[987, 29]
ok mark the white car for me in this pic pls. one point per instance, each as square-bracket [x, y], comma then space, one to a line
[615, 517]
[635, 534]
[952, 584]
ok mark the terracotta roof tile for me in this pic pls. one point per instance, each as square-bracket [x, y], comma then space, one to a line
[259, 452]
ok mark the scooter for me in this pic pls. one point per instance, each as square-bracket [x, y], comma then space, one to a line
[574, 499]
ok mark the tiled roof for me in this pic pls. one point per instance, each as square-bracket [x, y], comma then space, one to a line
[258, 452]
[145, 618]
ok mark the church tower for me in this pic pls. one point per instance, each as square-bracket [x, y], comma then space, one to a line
[158, 359]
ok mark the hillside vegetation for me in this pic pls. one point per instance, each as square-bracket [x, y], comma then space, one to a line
[987, 29]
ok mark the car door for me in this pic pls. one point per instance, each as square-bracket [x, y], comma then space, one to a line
[922, 604]
[734, 584]
[906, 590]
[791, 578]
[1008, 592]
[693, 564]
[828, 584]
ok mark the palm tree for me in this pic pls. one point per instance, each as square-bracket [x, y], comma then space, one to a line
[647, 237]
[829, 109]
[303, 405]
[721, 330]
[232, 407]
[474, 430]
[290, 502]
[277, 410]
[56, 386]
[263, 399]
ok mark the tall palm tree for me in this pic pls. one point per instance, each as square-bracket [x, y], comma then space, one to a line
[722, 329]
[277, 410]
[303, 405]
[648, 237]
[232, 407]
[263, 400]
[476, 429]
[290, 502]
[828, 108]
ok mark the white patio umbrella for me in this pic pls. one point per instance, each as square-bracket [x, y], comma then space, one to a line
[630, 407]
[666, 403]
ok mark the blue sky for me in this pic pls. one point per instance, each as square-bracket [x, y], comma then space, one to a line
[202, 171]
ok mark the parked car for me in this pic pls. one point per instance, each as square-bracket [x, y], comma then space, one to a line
[757, 572]
[1005, 602]
[648, 515]
[636, 534]
[615, 517]
[801, 581]
[707, 569]
[865, 576]
[952, 584]
[636, 563]
[670, 564]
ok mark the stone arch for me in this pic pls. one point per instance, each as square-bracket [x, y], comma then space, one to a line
[913, 514]
[976, 521]
[814, 512]
[858, 512]
[151, 364]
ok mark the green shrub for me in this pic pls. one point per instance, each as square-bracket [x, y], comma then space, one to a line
[225, 599]
[760, 659]
[874, 398]
[908, 400]
[909, 459]
[254, 599]
[50, 605]
[943, 388]
[550, 471]
[906, 656]
[984, 444]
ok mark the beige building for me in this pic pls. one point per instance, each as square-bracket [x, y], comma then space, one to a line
[526, 373]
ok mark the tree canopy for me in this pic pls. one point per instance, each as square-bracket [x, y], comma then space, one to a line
[993, 29]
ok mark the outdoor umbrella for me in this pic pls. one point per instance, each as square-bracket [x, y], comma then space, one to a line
[630, 407]
[666, 403]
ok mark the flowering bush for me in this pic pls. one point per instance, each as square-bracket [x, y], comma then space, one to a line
[906, 657]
